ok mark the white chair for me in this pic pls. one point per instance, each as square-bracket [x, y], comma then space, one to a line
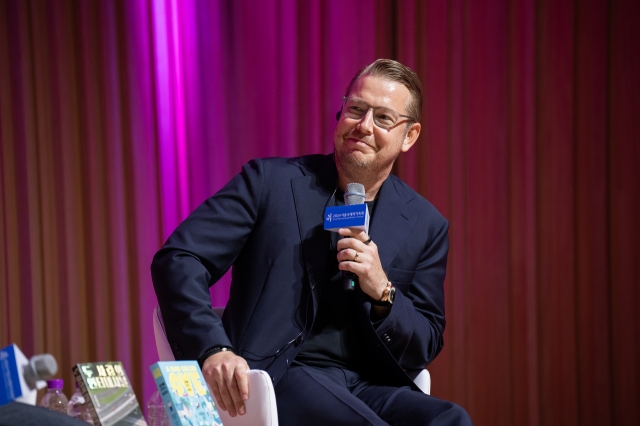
[261, 405]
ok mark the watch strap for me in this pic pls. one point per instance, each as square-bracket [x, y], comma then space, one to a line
[212, 351]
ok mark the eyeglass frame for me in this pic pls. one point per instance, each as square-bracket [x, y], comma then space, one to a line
[373, 108]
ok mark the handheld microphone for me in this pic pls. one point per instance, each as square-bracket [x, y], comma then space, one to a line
[23, 377]
[354, 194]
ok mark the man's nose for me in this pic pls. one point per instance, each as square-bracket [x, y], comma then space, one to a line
[366, 122]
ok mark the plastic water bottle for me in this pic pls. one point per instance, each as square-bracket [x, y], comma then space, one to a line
[77, 408]
[54, 399]
[157, 412]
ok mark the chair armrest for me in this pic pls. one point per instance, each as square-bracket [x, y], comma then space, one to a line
[261, 405]
[423, 381]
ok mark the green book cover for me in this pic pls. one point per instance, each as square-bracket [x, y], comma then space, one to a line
[108, 393]
[185, 394]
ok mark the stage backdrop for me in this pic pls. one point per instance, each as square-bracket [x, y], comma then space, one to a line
[117, 118]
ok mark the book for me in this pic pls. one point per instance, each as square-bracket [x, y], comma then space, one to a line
[108, 393]
[185, 393]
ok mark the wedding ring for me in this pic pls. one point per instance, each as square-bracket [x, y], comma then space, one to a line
[355, 259]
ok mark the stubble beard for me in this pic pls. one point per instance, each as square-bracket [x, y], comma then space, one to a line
[362, 170]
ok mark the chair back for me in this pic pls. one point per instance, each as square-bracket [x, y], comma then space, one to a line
[162, 344]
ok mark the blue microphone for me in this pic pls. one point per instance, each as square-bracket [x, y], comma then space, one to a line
[353, 195]
[354, 215]
[21, 377]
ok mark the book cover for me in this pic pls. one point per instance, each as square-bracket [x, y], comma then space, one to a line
[109, 394]
[185, 393]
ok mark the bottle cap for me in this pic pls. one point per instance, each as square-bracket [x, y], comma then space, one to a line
[55, 384]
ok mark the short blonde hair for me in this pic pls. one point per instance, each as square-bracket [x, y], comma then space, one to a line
[395, 71]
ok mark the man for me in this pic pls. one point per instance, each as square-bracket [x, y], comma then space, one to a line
[335, 356]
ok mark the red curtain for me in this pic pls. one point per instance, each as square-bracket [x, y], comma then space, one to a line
[117, 118]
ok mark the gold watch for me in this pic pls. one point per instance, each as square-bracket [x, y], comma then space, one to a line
[388, 296]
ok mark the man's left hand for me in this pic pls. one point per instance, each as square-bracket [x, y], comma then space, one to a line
[366, 265]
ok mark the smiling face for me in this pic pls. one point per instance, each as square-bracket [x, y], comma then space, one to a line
[364, 151]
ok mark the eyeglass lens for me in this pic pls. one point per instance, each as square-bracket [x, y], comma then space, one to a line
[384, 118]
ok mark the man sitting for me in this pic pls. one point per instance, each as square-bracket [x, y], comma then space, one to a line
[336, 356]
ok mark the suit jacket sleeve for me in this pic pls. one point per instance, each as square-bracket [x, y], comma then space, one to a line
[196, 255]
[412, 332]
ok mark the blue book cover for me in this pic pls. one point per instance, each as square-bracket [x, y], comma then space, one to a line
[185, 394]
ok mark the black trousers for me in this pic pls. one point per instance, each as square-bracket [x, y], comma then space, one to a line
[333, 396]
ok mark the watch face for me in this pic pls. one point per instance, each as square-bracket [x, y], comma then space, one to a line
[392, 294]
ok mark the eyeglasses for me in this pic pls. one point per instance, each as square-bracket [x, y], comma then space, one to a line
[384, 118]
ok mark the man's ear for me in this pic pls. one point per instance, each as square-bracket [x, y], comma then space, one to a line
[411, 137]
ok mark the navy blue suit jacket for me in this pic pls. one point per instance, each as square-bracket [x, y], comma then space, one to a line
[267, 223]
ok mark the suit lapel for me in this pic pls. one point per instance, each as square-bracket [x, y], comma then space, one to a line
[311, 193]
[392, 222]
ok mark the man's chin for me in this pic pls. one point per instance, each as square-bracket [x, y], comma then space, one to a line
[355, 159]
[359, 166]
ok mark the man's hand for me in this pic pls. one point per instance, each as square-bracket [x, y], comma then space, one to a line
[366, 266]
[226, 375]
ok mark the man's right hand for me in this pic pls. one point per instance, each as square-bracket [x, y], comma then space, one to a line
[226, 375]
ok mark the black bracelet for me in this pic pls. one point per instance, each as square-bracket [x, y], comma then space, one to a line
[212, 351]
